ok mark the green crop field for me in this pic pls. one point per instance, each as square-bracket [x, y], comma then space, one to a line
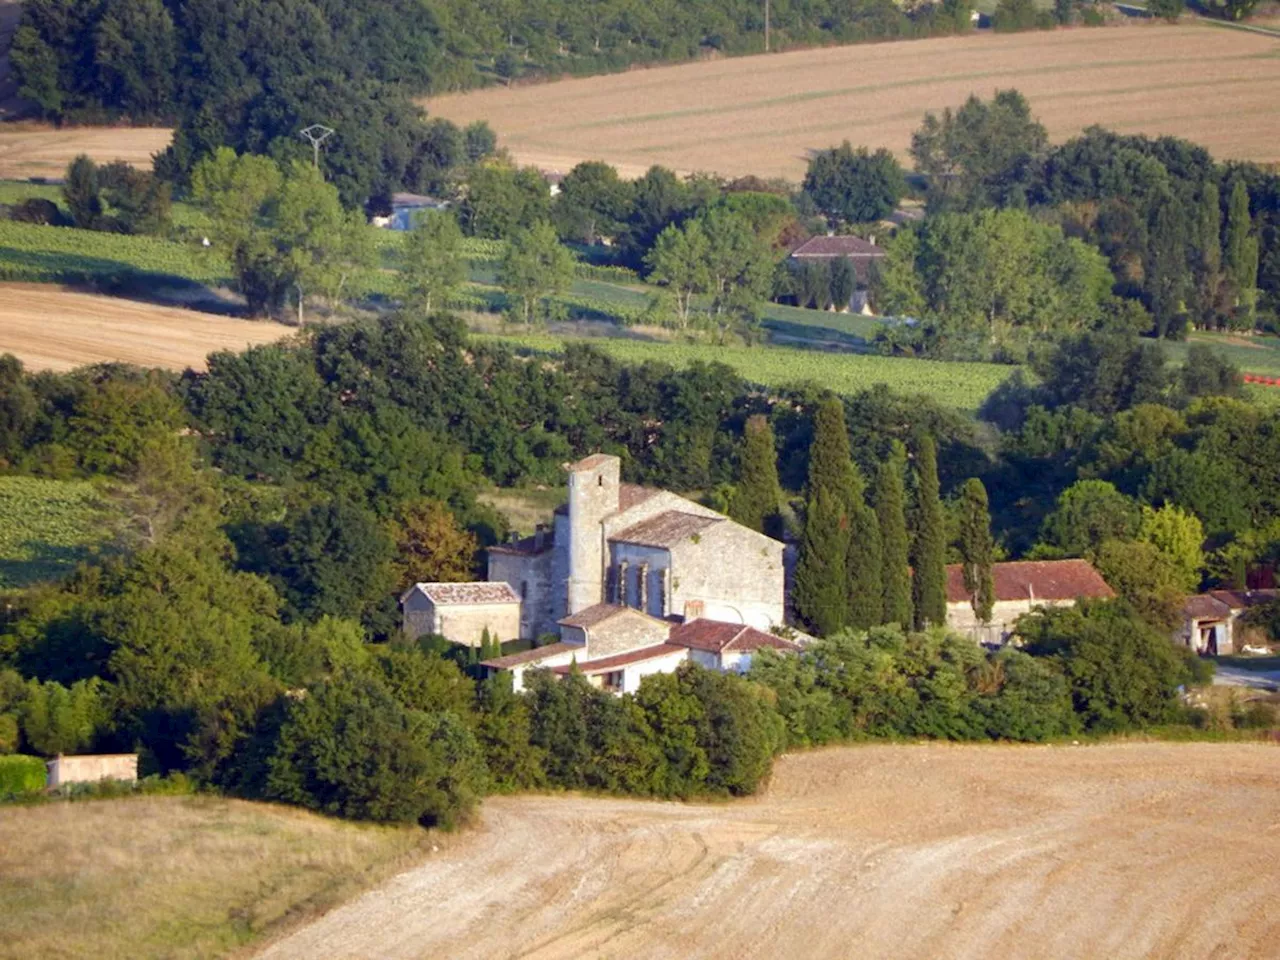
[960, 385]
[47, 527]
[40, 254]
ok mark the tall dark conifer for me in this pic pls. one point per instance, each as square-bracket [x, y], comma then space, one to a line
[929, 560]
[864, 563]
[977, 549]
[1242, 252]
[830, 462]
[891, 513]
[758, 494]
[820, 592]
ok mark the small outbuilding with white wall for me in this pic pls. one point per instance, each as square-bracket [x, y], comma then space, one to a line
[462, 612]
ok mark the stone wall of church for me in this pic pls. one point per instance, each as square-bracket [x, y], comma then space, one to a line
[729, 573]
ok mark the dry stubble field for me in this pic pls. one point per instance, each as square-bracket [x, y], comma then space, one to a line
[764, 114]
[33, 150]
[1153, 850]
[53, 328]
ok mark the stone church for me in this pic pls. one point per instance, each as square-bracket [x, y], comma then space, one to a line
[647, 549]
[629, 580]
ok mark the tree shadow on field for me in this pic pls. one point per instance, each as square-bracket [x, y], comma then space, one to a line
[114, 277]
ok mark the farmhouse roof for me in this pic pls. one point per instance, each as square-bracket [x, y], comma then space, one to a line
[1035, 580]
[717, 636]
[829, 248]
[475, 592]
[666, 529]
[1205, 606]
[416, 200]
[605, 664]
[531, 656]
[1244, 599]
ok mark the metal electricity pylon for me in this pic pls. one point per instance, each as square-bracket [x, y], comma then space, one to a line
[316, 134]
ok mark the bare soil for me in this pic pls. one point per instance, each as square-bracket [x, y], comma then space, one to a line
[765, 115]
[1119, 851]
[55, 328]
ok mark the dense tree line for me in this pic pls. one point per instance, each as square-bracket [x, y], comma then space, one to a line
[1104, 232]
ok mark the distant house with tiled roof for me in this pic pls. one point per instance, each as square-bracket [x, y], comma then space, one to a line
[863, 254]
[1021, 587]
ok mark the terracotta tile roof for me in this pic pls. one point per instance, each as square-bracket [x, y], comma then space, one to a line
[528, 546]
[832, 247]
[478, 591]
[1244, 599]
[605, 664]
[593, 462]
[666, 529]
[1035, 579]
[592, 615]
[716, 636]
[531, 656]
[1205, 606]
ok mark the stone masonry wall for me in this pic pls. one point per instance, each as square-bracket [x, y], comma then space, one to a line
[735, 573]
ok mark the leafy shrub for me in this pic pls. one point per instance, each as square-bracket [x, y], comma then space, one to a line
[1123, 672]
[348, 748]
[36, 210]
[21, 775]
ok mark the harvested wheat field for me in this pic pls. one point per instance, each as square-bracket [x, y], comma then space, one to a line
[53, 328]
[764, 114]
[28, 150]
[1116, 851]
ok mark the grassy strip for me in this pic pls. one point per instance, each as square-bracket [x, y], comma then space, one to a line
[960, 385]
[179, 877]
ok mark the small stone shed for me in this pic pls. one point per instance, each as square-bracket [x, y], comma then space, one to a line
[91, 768]
[461, 612]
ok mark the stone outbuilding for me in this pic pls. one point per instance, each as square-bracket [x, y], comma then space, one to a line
[91, 768]
[1021, 587]
[1211, 624]
[461, 612]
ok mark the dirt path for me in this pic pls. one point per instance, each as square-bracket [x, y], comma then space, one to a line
[1118, 851]
[53, 328]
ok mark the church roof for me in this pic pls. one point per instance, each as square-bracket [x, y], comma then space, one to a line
[593, 462]
[666, 529]
[590, 616]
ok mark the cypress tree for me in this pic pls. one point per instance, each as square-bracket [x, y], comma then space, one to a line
[831, 468]
[977, 548]
[863, 564]
[1166, 262]
[1242, 250]
[929, 582]
[759, 493]
[830, 462]
[1208, 259]
[891, 514]
[821, 584]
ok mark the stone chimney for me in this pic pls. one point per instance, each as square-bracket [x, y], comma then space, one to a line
[593, 495]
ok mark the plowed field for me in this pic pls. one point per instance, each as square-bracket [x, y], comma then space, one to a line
[765, 114]
[1119, 851]
[50, 328]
